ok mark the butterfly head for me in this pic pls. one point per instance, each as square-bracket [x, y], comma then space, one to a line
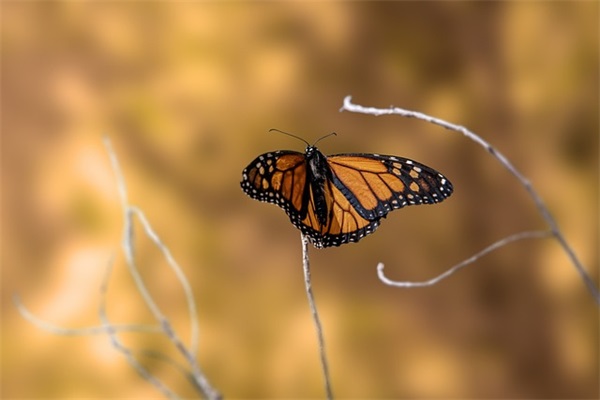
[310, 151]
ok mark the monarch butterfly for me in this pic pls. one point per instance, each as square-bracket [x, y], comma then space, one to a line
[340, 198]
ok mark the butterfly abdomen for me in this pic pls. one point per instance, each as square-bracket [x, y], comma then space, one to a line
[318, 173]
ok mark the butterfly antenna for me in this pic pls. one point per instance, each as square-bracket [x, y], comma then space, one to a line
[289, 134]
[323, 137]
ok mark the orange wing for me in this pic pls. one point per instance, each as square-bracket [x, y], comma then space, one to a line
[278, 177]
[377, 184]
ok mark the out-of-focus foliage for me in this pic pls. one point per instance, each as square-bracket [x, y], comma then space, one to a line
[187, 92]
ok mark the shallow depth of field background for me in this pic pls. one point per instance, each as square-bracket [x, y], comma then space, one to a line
[187, 92]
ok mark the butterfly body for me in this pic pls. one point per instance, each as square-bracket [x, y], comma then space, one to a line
[340, 198]
[317, 175]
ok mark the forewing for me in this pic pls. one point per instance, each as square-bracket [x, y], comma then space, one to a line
[377, 184]
[278, 177]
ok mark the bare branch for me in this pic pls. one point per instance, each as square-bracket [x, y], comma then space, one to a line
[543, 210]
[198, 376]
[91, 330]
[200, 379]
[195, 373]
[112, 333]
[128, 233]
[315, 315]
[180, 275]
[472, 259]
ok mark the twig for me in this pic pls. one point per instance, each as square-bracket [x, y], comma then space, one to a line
[475, 257]
[112, 334]
[199, 378]
[315, 315]
[195, 374]
[543, 210]
[180, 275]
[128, 234]
[87, 331]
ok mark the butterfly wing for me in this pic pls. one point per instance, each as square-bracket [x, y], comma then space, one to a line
[278, 177]
[377, 184]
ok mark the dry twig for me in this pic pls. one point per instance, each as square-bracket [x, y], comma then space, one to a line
[315, 316]
[554, 230]
[193, 370]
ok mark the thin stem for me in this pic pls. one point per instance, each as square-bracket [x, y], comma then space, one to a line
[116, 343]
[315, 315]
[111, 330]
[91, 330]
[128, 248]
[180, 276]
[128, 233]
[470, 260]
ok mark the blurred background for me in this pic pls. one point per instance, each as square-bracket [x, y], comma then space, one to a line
[187, 91]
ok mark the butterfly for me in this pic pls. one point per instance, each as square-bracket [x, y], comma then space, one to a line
[340, 198]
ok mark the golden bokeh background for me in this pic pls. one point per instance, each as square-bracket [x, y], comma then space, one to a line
[187, 91]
